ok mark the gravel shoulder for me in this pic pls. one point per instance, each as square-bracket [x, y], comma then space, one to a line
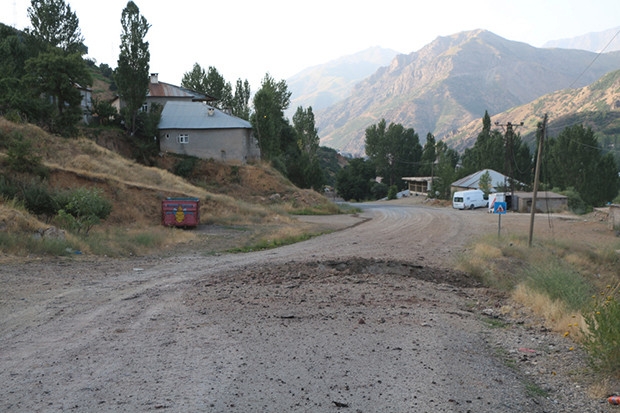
[370, 317]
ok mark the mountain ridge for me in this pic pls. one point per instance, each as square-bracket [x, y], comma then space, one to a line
[452, 81]
[322, 85]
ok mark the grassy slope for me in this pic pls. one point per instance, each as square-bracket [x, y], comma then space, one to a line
[230, 196]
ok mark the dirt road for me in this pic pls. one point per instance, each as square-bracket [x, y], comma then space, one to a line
[369, 318]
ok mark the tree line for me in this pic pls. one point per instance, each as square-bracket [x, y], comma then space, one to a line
[42, 70]
[573, 163]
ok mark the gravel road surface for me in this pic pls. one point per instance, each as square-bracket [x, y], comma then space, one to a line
[370, 318]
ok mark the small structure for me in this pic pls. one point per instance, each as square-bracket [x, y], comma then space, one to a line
[472, 181]
[162, 93]
[419, 184]
[197, 129]
[180, 212]
[546, 202]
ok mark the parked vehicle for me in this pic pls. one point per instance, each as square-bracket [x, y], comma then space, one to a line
[471, 199]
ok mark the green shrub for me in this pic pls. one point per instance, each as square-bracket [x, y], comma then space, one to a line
[39, 200]
[602, 338]
[379, 190]
[82, 208]
[8, 188]
[392, 192]
[19, 154]
[185, 167]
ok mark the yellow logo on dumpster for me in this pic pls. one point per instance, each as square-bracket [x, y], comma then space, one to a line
[179, 215]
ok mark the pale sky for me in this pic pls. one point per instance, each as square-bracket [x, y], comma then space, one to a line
[248, 38]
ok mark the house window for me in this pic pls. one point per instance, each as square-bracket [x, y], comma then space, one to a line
[145, 107]
[183, 138]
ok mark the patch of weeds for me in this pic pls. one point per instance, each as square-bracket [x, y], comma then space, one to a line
[602, 338]
[265, 244]
[493, 322]
[24, 244]
[534, 390]
[559, 282]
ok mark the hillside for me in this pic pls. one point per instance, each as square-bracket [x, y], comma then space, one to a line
[596, 106]
[452, 81]
[255, 199]
[323, 85]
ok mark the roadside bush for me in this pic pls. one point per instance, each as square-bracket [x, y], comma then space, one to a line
[39, 200]
[379, 190]
[575, 203]
[602, 338]
[185, 167]
[392, 192]
[81, 209]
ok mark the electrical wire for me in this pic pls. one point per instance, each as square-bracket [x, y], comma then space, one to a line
[594, 60]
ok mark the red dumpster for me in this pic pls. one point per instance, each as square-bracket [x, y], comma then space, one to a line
[180, 212]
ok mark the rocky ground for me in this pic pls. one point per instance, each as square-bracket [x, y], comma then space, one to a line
[368, 318]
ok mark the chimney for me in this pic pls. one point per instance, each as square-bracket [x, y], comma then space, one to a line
[154, 78]
[210, 111]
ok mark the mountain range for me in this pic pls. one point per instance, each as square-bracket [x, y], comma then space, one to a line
[323, 85]
[607, 40]
[450, 83]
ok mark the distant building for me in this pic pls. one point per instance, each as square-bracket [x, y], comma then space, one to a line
[546, 202]
[200, 130]
[498, 181]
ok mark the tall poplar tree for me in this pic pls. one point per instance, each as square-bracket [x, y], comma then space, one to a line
[132, 72]
[56, 24]
[270, 125]
[241, 100]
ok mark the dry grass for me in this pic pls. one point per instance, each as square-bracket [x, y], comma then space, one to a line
[240, 196]
[558, 317]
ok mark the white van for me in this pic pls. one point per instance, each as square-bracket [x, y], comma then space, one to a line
[471, 199]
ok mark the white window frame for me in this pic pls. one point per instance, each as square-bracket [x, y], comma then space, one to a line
[183, 138]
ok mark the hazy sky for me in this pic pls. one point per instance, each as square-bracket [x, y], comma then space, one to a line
[248, 38]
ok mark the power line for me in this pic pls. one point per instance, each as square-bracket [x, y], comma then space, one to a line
[594, 60]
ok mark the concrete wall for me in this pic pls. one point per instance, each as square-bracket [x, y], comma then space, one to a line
[228, 145]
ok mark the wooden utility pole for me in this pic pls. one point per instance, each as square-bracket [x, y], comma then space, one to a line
[536, 177]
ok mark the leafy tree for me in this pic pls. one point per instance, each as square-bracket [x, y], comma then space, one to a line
[445, 171]
[488, 151]
[306, 162]
[56, 75]
[16, 95]
[55, 23]
[268, 121]
[216, 86]
[355, 181]
[132, 72]
[104, 111]
[506, 154]
[241, 100]
[485, 183]
[213, 84]
[394, 150]
[195, 80]
[429, 156]
[575, 160]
